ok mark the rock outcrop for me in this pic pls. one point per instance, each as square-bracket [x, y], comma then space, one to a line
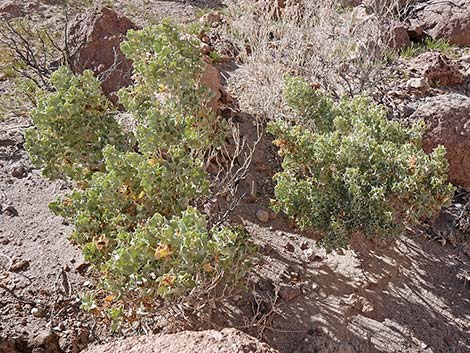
[94, 39]
[211, 79]
[447, 118]
[225, 341]
[448, 20]
[438, 69]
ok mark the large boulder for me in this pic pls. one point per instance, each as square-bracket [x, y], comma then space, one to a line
[447, 118]
[448, 20]
[225, 341]
[94, 39]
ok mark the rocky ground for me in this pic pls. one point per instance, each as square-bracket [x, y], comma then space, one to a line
[226, 341]
[410, 296]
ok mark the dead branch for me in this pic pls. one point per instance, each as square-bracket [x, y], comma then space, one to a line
[37, 52]
[233, 168]
[20, 299]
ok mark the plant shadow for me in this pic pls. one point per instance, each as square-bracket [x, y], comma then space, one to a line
[410, 295]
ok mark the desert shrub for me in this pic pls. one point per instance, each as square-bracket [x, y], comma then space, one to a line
[72, 124]
[166, 258]
[28, 55]
[32, 49]
[169, 101]
[132, 188]
[347, 169]
[345, 51]
[135, 217]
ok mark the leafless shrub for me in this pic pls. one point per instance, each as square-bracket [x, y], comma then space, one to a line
[396, 9]
[264, 309]
[344, 50]
[232, 162]
[36, 53]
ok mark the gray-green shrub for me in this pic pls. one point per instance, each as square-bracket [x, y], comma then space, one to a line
[347, 169]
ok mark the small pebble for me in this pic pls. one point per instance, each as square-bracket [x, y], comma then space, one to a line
[18, 171]
[37, 312]
[19, 265]
[266, 249]
[262, 215]
[317, 258]
[10, 211]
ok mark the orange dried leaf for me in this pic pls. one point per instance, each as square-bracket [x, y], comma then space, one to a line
[109, 298]
[162, 251]
[208, 267]
[168, 281]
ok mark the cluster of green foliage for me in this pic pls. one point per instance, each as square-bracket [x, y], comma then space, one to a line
[428, 44]
[73, 125]
[347, 169]
[133, 207]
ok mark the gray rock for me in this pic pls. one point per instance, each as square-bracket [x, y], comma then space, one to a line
[262, 215]
[224, 341]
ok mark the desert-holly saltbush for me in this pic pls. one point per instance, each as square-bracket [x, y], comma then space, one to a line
[172, 255]
[134, 217]
[71, 127]
[347, 169]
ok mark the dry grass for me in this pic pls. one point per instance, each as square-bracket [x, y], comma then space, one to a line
[345, 51]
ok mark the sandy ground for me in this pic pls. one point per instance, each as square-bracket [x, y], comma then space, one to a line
[411, 296]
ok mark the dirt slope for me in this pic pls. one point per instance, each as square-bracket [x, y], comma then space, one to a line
[411, 297]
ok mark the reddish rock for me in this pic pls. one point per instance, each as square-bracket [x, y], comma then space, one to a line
[447, 118]
[94, 38]
[225, 341]
[448, 20]
[417, 34]
[9, 346]
[10, 9]
[211, 79]
[262, 215]
[211, 18]
[438, 69]
[400, 38]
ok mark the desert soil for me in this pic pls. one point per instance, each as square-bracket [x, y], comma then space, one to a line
[412, 296]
